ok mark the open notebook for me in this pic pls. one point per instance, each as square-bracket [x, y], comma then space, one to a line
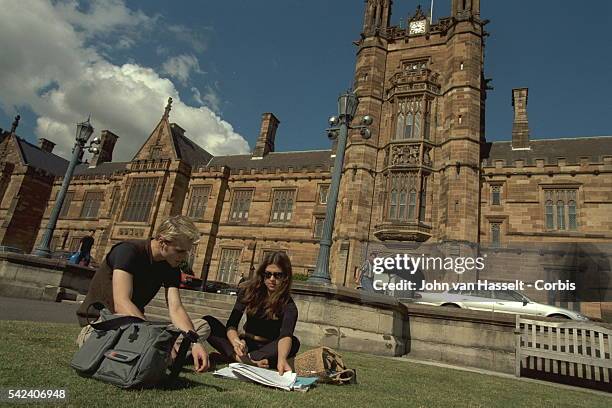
[288, 381]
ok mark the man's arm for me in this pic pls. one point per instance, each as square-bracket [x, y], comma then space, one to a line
[182, 321]
[122, 294]
[178, 314]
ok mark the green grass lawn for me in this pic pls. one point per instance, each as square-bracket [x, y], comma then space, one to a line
[37, 355]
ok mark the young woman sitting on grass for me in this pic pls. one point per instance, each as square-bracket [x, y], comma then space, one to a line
[268, 340]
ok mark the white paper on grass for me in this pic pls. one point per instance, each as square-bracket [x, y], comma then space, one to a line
[259, 375]
[225, 372]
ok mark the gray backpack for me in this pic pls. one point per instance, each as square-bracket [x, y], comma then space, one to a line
[129, 352]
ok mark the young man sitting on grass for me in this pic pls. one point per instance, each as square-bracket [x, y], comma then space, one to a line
[132, 273]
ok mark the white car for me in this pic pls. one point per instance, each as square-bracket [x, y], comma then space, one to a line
[505, 301]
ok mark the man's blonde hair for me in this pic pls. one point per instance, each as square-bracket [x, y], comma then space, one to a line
[178, 227]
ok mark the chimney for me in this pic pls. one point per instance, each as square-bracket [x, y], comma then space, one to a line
[265, 141]
[107, 144]
[45, 145]
[520, 126]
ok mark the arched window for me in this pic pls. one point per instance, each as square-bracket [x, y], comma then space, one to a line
[393, 204]
[571, 209]
[560, 215]
[495, 234]
[412, 119]
[495, 195]
[549, 215]
[402, 204]
[409, 125]
[399, 130]
[416, 132]
[412, 204]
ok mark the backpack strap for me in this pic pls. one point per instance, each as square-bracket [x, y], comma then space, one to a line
[181, 356]
[109, 321]
[116, 322]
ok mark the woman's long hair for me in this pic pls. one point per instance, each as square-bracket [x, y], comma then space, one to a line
[256, 297]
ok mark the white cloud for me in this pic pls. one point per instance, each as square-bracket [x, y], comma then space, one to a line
[102, 17]
[53, 71]
[195, 39]
[181, 67]
[210, 99]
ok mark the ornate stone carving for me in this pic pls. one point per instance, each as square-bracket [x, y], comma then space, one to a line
[418, 14]
[413, 80]
[392, 231]
[427, 157]
[404, 154]
[131, 232]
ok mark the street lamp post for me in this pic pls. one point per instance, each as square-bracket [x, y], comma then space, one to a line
[347, 106]
[83, 133]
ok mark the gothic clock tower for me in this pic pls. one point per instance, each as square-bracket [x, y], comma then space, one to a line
[417, 179]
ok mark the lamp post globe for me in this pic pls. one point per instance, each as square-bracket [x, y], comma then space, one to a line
[83, 132]
[347, 104]
[367, 120]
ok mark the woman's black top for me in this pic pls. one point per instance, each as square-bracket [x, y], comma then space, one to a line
[259, 325]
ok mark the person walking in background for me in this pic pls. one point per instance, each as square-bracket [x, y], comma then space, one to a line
[85, 251]
[365, 277]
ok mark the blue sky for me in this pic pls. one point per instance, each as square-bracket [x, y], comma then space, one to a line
[228, 62]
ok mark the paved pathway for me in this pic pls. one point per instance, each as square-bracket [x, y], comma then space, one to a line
[37, 310]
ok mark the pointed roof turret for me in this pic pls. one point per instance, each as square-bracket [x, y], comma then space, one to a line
[168, 108]
[168, 141]
[15, 124]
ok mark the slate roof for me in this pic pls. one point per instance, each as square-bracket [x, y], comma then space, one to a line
[188, 150]
[551, 150]
[33, 156]
[297, 160]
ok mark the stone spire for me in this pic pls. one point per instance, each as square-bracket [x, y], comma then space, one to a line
[168, 108]
[15, 124]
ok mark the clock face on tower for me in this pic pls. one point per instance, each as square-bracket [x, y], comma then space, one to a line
[417, 27]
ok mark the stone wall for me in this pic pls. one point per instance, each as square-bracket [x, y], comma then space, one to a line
[32, 277]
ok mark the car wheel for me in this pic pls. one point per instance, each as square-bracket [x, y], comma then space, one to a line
[451, 305]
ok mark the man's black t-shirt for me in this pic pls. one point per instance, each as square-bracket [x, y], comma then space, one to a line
[135, 258]
[86, 243]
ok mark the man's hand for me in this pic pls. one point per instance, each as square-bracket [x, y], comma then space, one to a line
[240, 348]
[200, 358]
[283, 366]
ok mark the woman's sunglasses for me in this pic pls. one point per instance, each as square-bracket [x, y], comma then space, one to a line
[277, 275]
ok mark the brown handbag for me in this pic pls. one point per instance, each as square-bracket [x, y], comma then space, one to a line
[325, 363]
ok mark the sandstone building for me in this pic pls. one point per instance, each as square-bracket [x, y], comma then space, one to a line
[428, 174]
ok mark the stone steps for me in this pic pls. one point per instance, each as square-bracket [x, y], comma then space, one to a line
[202, 299]
[197, 304]
[197, 310]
